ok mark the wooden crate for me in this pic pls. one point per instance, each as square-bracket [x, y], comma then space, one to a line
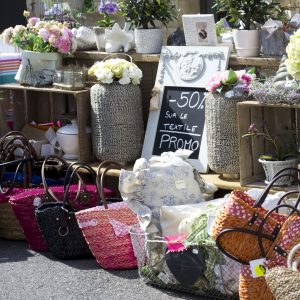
[43, 104]
[282, 120]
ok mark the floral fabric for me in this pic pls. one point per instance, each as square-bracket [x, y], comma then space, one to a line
[166, 180]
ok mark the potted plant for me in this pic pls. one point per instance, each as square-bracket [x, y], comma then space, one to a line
[246, 16]
[116, 110]
[282, 154]
[143, 15]
[42, 43]
[106, 9]
[226, 89]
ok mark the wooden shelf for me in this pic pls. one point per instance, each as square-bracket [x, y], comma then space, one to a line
[96, 55]
[216, 179]
[234, 60]
[16, 86]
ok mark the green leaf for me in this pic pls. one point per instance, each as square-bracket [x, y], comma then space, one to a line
[232, 78]
[267, 157]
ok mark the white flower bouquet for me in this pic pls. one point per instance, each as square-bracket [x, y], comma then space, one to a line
[293, 53]
[116, 70]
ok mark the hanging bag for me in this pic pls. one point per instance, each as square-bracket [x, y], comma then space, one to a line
[58, 224]
[106, 228]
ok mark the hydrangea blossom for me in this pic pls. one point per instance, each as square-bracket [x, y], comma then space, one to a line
[116, 70]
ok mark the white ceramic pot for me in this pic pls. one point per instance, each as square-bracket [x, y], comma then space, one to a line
[39, 61]
[100, 34]
[272, 167]
[148, 40]
[247, 42]
[69, 141]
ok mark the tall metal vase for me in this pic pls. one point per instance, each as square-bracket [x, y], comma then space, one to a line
[222, 134]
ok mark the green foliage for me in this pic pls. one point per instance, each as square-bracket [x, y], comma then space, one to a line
[143, 13]
[247, 13]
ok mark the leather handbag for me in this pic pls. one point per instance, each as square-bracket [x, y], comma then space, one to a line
[25, 203]
[58, 224]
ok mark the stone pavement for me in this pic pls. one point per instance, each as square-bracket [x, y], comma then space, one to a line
[28, 275]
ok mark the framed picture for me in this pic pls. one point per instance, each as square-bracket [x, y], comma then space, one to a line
[199, 30]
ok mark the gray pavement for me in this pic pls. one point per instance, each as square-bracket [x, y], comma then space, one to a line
[28, 275]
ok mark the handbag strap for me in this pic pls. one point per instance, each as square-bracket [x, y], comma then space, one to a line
[3, 165]
[7, 141]
[238, 230]
[111, 164]
[55, 159]
[101, 187]
[287, 194]
[279, 175]
[68, 181]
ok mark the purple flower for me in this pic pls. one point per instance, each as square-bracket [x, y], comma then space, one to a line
[252, 128]
[108, 7]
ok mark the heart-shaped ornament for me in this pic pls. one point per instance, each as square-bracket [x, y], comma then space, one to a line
[186, 266]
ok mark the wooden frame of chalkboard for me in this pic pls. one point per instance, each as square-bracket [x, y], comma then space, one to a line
[177, 114]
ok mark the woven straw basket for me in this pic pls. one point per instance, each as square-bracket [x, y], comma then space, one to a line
[285, 283]
[9, 225]
[117, 121]
[222, 133]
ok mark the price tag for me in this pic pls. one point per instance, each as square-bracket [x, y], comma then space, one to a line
[258, 268]
[163, 277]
[180, 184]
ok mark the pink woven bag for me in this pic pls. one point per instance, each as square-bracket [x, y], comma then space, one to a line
[106, 229]
[25, 203]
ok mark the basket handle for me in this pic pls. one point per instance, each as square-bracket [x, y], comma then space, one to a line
[287, 194]
[277, 176]
[100, 181]
[19, 163]
[293, 265]
[239, 230]
[68, 181]
[116, 55]
[47, 189]
[261, 225]
[9, 139]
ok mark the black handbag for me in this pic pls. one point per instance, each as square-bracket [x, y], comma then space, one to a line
[58, 224]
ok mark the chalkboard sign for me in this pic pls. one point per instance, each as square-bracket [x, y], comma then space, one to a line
[181, 120]
[176, 118]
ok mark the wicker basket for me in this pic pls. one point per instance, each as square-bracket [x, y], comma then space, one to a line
[9, 225]
[272, 167]
[117, 122]
[222, 133]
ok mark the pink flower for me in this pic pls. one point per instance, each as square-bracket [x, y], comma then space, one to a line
[55, 29]
[44, 34]
[53, 40]
[32, 21]
[240, 73]
[64, 45]
[215, 81]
